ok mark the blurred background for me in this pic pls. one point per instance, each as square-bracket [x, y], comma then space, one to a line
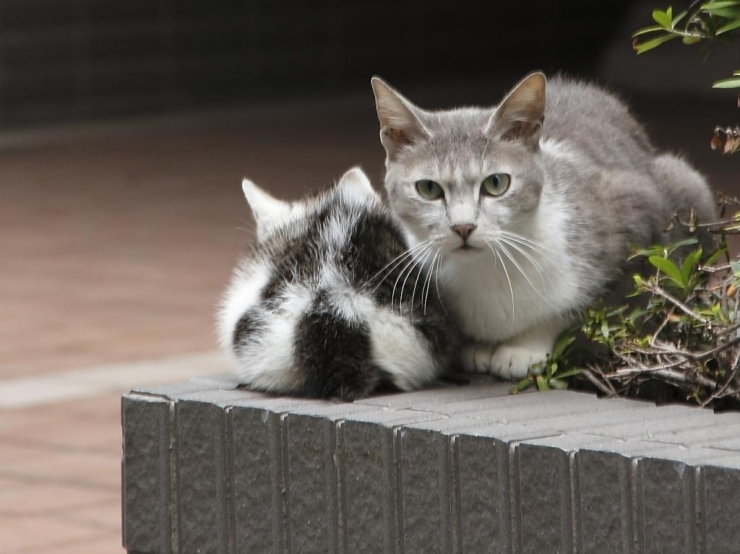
[125, 130]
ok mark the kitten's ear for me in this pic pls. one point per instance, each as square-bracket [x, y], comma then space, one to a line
[522, 111]
[399, 123]
[355, 184]
[268, 212]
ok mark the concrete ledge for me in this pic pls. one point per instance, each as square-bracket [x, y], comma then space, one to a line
[469, 469]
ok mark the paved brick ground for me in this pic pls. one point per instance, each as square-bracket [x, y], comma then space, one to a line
[116, 240]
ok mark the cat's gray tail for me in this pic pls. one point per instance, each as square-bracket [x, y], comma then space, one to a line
[686, 189]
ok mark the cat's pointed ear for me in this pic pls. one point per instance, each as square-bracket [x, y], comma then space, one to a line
[355, 184]
[520, 115]
[267, 210]
[399, 120]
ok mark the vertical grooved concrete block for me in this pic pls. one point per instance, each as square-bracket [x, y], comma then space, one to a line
[481, 499]
[310, 449]
[720, 502]
[455, 471]
[368, 486]
[311, 487]
[369, 473]
[604, 503]
[257, 480]
[202, 481]
[544, 510]
[479, 479]
[425, 492]
[146, 502]
[666, 506]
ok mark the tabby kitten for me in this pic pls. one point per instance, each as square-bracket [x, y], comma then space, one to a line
[530, 207]
[331, 303]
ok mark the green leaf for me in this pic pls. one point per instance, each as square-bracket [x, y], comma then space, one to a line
[641, 48]
[662, 18]
[569, 373]
[680, 244]
[646, 30]
[561, 344]
[720, 4]
[733, 82]
[729, 13]
[731, 26]
[521, 385]
[669, 268]
[678, 18]
[605, 329]
[714, 256]
[689, 266]
[558, 384]
[542, 383]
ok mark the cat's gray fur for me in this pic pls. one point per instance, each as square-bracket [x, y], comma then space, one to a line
[330, 303]
[586, 183]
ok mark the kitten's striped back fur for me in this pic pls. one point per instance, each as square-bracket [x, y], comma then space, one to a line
[330, 303]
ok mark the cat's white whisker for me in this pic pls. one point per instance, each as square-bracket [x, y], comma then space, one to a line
[506, 273]
[536, 246]
[534, 263]
[403, 286]
[397, 261]
[413, 292]
[428, 281]
[436, 284]
[410, 267]
[521, 271]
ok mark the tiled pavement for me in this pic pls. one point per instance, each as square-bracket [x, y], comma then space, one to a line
[115, 241]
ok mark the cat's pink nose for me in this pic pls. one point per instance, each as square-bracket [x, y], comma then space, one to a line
[464, 230]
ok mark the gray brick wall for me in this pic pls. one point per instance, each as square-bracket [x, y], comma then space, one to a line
[466, 469]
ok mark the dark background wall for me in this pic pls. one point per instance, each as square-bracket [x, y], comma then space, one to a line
[71, 59]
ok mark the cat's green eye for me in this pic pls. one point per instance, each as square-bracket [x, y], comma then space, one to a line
[495, 184]
[429, 189]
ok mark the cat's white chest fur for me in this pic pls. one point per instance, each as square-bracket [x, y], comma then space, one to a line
[500, 293]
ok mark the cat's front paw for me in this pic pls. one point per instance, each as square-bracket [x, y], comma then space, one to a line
[505, 361]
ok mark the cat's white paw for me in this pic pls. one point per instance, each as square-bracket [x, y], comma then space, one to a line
[505, 361]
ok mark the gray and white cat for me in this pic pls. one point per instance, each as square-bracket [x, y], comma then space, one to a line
[331, 303]
[531, 206]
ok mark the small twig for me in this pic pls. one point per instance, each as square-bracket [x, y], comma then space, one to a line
[598, 384]
[655, 289]
[727, 330]
[666, 371]
[714, 268]
[661, 327]
[704, 225]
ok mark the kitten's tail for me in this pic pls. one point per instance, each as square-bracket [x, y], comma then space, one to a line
[318, 352]
[333, 355]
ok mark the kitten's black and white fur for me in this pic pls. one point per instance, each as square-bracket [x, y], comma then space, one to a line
[331, 303]
[531, 206]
